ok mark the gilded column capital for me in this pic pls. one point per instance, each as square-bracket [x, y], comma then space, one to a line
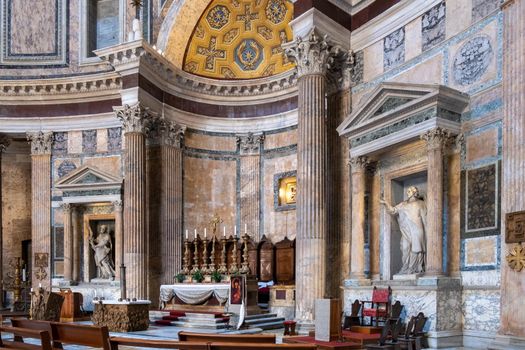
[4, 142]
[250, 144]
[117, 205]
[136, 118]
[340, 65]
[172, 134]
[310, 54]
[436, 138]
[41, 142]
[359, 163]
[66, 207]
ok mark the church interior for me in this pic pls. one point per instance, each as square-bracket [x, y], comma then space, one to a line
[347, 172]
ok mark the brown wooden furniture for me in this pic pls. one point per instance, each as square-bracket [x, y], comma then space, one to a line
[353, 319]
[396, 309]
[414, 334]
[389, 336]
[71, 308]
[19, 333]
[228, 338]
[266, 260]
[285, 261]
[379, 309]
[322, 345]
[252, 346]
[158, 344]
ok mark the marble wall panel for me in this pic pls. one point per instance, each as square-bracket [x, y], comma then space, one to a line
[433, 26]
[481, 251]
[62, 167]
[37, 36]
[481, 278]
[394, 49]
[74, 142]
[428, 72]
[413, 39]
[482, 8]
[358, 69]
[481, 309]
[373, 61]
[210, 142]
[209, 188]
[89, 141]
[114, 142]
[281, 139]
[102, 140]
[482, 145]
[60, 143]
[458, 16]
[110, 165]
[481, 193]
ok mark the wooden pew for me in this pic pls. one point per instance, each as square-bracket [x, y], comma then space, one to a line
[43, 336]
[227, 338]
[254, 346]
[154, 343]
[35, 325]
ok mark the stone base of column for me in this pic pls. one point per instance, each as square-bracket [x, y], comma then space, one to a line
[358, 282]
[439, 281]
[507, 342]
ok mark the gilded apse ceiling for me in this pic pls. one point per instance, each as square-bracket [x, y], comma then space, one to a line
[236, 39]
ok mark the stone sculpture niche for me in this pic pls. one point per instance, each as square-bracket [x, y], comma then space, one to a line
[102, 247]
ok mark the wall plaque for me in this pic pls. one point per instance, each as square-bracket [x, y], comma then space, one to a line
[515, 227]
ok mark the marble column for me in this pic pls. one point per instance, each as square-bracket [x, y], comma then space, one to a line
[250, 149]
[135, 122]
[4, 143]
[454, 207]
[119, 246]
[41, 143]
[171, 200]
[357, 255]
[311, 55]
[77, 239]
[436, 139]
[68, 242]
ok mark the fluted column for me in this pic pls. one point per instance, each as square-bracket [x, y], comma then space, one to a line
[41, 206]
[435, 139]
[171, 200]
[250, 147]
[135, 122]
[68, 242]
[311, 55]
[4, 143]
[357, 256]
[119, 246]
[454, 207]
[77, 239]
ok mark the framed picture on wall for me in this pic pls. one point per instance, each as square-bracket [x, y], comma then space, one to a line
[236, 290]
[515, 227]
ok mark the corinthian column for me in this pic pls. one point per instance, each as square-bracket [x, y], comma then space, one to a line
[357, 255]
[68, 243]
[135, 122]
[171, 200]
[436, 139]
[311, 55]
[41, 206]
[4, 143]
[250, 148]
[119, 246]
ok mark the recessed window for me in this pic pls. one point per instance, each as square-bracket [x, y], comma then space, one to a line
[103, 27]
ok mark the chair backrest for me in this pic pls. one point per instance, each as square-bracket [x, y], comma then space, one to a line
[395, 328]
[409, 330]
[251, 346]
[385, 331]
[228, 338]
[35, 325]
[396, 310]
[20, 333]
[356, 307]
[381, 295]
[93, 336]
[157, 344]
[420, 324]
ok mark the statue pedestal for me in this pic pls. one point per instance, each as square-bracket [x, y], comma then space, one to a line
[404, 277]
[122, 316]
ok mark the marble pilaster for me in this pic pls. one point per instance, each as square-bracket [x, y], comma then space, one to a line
[41, 143]
[357, 255]
[436, 139]
[77, 239]
[250, 147]
[311, 55]
[119, 239]
[4, 143]
[171, 200]
[68, 242]
[135, 122]
[454, 204]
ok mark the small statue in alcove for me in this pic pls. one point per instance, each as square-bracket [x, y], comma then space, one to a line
[102, 247]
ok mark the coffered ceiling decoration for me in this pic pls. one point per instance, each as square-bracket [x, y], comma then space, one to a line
[236, 39]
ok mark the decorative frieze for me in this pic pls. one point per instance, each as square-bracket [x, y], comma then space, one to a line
[250, 144]
[136, 118]
[41, 142]
[310, 55]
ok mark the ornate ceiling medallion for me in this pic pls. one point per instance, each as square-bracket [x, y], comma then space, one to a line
[218, 17]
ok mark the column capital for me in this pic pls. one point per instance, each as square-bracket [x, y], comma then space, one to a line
[340, 65]
[359, 163]
[66, 207]
[135, 118]
[457, 143]
[172, 134]
[41, 142]
[4, 142]
[310, 53]
[436, 138]
[250, 144]
[117, 205]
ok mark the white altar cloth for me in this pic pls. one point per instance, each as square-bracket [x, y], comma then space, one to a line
[193, 293]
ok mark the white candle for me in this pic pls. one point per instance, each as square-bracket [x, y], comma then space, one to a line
[195, 233]
[186, 234]
[205, 232]
[95, 292]
[235, 231]
[224, 231]
[40, 285]
[245, 228]
[24, 275]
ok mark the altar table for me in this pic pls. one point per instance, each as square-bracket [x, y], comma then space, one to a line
[122, 316]
[193, 293]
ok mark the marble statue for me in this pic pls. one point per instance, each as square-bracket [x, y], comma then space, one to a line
[412, 219]
[102, 247]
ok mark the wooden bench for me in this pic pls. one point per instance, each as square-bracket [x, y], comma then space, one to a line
[43, 336]
[227, 338]
[252, 346]
[154, 343]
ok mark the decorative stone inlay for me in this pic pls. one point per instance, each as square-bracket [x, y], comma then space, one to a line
[436, 138]
[434, 26]
[230, 35]
[218, 16]
[250, 144]
[60, 144]
[114, 139]
[41, 142]
[172, 133]
[4, 142]
[247, 17]
[136, 118]
[89, 141]
[472, 60]
[211, 52]
[359, 163]
[249, 54]
[358, 68]
[310, 54]
[394, 49]
[481, 310]
[65, 168]
[276, 11]
[481, 198]
[482, 8]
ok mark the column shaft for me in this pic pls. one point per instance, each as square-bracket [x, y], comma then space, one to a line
[357, 255]
[68, 243]
[119, 247]
[76, 213]
[4, 143]
[250, 194]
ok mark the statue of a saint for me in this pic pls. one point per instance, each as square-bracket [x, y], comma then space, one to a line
[412, 219]
[102, 247]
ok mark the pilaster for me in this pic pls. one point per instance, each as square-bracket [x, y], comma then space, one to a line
[119, 238]
[68, 242]
[4, 143]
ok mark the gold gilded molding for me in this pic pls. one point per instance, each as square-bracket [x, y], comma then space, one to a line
[516, 258]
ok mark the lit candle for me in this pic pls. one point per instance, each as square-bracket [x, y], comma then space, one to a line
[195, 233]
[40, 285]
[24, 275]
[205, 232]
[235, 231]
[186, 234]
[224, 231]
[245, 228]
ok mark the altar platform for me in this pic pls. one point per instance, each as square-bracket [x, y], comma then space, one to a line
[211, 297]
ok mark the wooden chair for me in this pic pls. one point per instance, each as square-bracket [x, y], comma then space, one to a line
[157, 344]
[227, 338]
[354, 318]
[405, 341]
[20, 333]
[379, 309]
[252, 346]
[391, 328]
[396, 309]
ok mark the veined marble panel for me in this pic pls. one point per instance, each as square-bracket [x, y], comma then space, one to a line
[394, 49]
[481, 278]
[481, 251]
[481, 310]
[482, 8]
[433, 26]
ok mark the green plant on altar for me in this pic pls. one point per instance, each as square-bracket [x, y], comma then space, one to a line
[216, 276]
[180, 277]
[198, 276]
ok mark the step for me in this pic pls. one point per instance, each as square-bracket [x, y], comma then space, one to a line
[264, 320]
[203, 316]
[199, 325]
[253, 317]
[270, 325]
[201, 320]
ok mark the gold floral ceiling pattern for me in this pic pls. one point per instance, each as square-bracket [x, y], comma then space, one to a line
[237, 39]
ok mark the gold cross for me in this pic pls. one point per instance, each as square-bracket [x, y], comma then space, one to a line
[211, 52]
[247, 17]
[215, 221]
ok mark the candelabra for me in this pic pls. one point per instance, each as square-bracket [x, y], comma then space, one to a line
[17, 284]
[204, 266]
[234, 268]
[222, 268]
[211, 268]
[195, 255]
[245, 267]
[186, 265]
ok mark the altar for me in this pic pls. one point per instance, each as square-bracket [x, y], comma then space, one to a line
[193, 296]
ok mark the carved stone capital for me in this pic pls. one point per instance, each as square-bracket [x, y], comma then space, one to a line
[66, 207]
[340, 65]
[457, 143]
[117, 205]
[359, 163]
[436, 138]
[310, 54]
[41, 142]
[250, 144]
[136, 118]
[4, 142]
[172, 134]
